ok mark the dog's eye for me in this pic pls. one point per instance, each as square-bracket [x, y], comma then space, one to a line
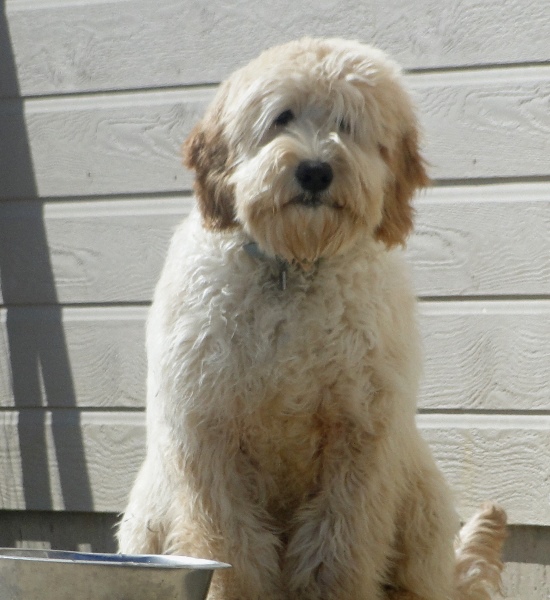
[344, 126]
[284, 118]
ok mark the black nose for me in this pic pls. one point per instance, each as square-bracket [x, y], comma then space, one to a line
[314, 175]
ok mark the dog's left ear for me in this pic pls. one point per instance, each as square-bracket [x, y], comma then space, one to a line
[408, 174]
[207, 153]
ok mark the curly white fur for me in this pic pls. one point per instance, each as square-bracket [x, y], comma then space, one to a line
[281, 432]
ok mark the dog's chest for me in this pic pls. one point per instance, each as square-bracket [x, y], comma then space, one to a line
[305, 377]
[296, 346]
[286, 443]
[286, 451]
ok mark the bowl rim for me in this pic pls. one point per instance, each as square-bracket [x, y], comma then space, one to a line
[166, 561]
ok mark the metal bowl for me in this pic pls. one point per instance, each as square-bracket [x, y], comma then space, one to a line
[63, 575]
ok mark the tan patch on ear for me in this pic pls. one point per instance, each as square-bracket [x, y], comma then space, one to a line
[207, 153]
[409, 174]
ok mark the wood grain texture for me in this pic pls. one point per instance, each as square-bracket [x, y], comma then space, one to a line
[96, 97]
[80, 532]
[483, 124]
[97, 360]
[479, 356]
[86, 461]
[82, 46]
[490, 124]
[482, 240]
[486, 356]
[505, 458]
[526, 581]
[91, 252]
[102, 145]
[68, 460]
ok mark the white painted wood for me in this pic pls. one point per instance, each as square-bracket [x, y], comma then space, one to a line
[92, 45]
[74, 252]
[486, 356]
[108, 164]
[104, 144]
[71, 460]
[485, 124]
[473, 241]
[482, 240]
[68, 460]
[479, 356]
[81, 532]
[66, 357]
[505, 458]
[526, 581]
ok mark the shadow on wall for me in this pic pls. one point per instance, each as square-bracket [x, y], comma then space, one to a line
[40, 369]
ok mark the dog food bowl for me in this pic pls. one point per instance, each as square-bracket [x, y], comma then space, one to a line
[62, 575]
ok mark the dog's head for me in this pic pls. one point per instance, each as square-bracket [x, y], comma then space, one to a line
[311, 145]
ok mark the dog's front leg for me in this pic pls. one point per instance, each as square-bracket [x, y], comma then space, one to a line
[342, 538]
[229, 523]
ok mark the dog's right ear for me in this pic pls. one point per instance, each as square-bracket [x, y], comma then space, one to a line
[408, 174]
[207, 153]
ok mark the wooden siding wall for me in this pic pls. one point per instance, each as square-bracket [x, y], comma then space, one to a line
[96, 97]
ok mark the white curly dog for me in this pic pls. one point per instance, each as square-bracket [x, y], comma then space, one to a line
[284, 356]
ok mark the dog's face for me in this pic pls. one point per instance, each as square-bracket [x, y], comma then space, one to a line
[311, 145]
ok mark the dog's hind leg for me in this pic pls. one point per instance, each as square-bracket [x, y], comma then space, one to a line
[426, 526]
[429, 567]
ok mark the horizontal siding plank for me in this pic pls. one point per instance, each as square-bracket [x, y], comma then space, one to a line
[82, 46]
[484, 240]
[473, 241]
[504, 458]
[486, 123]
[486, 356]
[479, 356]
[526, 581]
[99, 145]
[68, 460]
[87, 461]
[80, 532]
[90, 357]
[130, 143]
[85, 252]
